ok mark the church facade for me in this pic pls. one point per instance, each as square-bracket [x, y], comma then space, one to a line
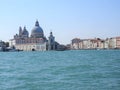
[34, 42]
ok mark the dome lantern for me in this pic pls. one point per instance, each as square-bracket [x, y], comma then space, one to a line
[37, 23]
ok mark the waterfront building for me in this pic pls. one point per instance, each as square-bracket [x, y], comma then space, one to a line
[97, 43]
[35, 42]
[2, 46]
[68, 46]
[81, 44]
[112, 43]
[118, 42]
[87, 43]
[106, 43]
[75, 43]
[94, 43]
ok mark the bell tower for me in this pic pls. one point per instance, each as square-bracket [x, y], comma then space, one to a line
[20, 31]
[51, 42]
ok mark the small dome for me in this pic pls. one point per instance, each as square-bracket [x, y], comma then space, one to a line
[25, 32]
[37, 31]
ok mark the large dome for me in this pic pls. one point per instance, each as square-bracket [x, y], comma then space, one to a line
[37, 31]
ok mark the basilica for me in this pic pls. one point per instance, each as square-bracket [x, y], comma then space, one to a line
[34, 42]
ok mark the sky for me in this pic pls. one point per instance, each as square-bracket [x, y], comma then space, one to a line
[67, 19]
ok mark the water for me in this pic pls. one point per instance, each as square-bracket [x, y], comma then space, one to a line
[60, 70]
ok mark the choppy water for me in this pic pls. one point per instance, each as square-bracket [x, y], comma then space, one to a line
[60, 70]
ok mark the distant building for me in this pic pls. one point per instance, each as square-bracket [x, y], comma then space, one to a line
[2, 46]
[106, 43]
[112, 43]
[86, 43]
[118, 42]
[68, 46]
[97, 43]
[75, 43]
[35, 42]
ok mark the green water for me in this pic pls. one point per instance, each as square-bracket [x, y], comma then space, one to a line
[60, 70]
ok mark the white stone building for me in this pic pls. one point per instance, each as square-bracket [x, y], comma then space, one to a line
[35, 42]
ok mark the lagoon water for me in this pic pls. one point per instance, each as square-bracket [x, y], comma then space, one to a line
[60, 70]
